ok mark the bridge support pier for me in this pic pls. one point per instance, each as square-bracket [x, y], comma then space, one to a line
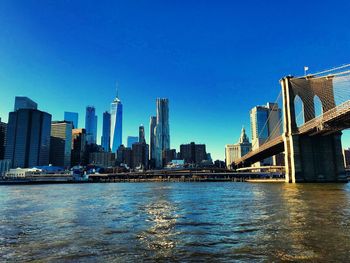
[316, 158]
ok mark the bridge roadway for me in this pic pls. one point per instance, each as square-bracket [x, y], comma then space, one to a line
[332, 121]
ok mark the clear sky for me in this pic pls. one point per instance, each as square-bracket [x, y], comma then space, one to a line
[214, 60]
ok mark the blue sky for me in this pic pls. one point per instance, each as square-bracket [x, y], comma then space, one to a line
[214, 60]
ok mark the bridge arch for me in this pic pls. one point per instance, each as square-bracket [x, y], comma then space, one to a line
[318, 106]
[299, 111]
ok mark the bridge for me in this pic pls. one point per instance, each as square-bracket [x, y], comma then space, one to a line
[313, 151]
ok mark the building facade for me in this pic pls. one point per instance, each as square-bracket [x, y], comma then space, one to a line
[91, 125]
[3, 129]
[24, 103]
[116, 124]
[152, 140]
[193, 153]
[168, 156]
[238, 150]
[266, 124]
[140, 155]
[106, 132]
[131, 140]
[78, 147]
[28, 138]
[61, 143]
[72, 117]
[162, 133]
[142, 134]
[102, 159]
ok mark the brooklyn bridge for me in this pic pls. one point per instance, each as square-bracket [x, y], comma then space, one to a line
[311, 140]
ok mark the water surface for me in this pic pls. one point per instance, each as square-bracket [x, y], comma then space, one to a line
[172, 222]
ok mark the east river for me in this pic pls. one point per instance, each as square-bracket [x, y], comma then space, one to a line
[175, 222]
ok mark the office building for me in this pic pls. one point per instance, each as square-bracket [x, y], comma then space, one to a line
[131, 140]
[106, 132]
[124, 156]
[102, 159]
[238, 150]
[193, 153]
[3, 129]
[28, 137]
[162, 134]
[152, 140]
[140, 155]
[266, 124]
[78, 156]
[61, 143]
[142, 134]
[24, 103]
[168, 156]
[72, 117]
[5, 166]
[91, 125]
[116, 124]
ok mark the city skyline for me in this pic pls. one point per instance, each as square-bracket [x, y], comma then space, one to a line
[65, 63]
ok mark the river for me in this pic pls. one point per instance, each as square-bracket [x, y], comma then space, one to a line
[173, 222]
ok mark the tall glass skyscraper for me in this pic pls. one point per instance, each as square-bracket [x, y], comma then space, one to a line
[91, 125]
[28, 137]
[162, 136]
[61, 143]
[116, 124]
[106, 132]
[152, 137]
[142, 134]
[72, 117]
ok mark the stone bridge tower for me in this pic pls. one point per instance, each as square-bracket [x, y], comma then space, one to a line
[310, 157]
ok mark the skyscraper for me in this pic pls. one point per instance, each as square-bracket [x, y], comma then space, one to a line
[162, 137]
[28, 137]
[61, 143]
[3, 127]
[152, 138]
[116, 124]
[106, 132]
[78, 147]
[91, 125]
[72, 117]
[266, 125]
[193, 153]
[25, 103]
[142, 134]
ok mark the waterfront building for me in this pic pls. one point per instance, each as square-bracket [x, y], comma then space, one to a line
[78, 147]
[91, 125]
[116, 124]
[24, 103]
[168, 156]
[3, 129]
[140, 155]
[162, 134]
[142, 134]
[266, 125]
[106, 132]
[61, 143]
[124, 156]
[193, 153]
[131, 140]
[238, 150]
[72, 117]
[28, 137]
[102, 159]
[5, 165]
[152, 140]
